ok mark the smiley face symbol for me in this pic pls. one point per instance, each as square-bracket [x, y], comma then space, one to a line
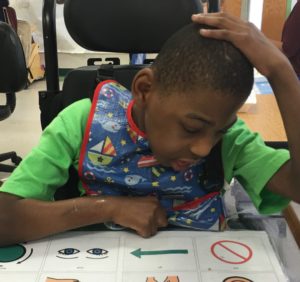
[237, 279]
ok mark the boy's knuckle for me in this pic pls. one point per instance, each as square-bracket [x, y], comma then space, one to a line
[145, 232]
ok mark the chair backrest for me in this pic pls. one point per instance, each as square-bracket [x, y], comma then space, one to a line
[129, 26]
[13, 72]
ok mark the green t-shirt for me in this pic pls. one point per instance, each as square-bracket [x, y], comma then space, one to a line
[244, 154]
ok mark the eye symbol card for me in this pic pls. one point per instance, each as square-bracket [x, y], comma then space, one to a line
[85, 252]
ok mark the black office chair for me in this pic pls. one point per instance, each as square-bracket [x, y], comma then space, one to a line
[13, 78]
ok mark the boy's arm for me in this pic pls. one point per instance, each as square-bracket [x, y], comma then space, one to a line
[270, 62]
[24, 220]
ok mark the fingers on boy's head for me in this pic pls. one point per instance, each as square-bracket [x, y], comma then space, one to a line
[188, 61]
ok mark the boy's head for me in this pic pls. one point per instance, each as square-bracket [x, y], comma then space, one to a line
[189, 97]
[190, 62]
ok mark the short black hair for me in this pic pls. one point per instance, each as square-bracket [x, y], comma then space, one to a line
[190, 61]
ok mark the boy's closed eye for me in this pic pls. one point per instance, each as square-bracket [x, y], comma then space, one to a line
[192, 130]
[199, 129]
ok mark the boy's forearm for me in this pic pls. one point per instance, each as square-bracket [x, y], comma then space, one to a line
[26, 219]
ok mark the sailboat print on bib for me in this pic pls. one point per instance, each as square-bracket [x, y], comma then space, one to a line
[102, 153]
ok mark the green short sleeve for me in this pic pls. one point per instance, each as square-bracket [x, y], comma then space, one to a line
[252, 163]
[46, 166]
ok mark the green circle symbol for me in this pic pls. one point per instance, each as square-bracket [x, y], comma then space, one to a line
[11, 253]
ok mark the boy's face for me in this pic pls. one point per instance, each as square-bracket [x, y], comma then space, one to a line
[182, 128]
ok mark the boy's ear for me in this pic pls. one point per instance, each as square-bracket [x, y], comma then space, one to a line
[142, 85]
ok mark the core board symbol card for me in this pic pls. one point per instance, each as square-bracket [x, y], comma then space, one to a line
[84, 252]
[170, 256]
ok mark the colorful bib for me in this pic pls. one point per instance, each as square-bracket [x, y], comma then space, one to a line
[116, 159]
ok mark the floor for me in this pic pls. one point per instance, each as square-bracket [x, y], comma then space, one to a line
[21, 132]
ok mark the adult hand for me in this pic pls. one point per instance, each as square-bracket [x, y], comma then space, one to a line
[264, 56]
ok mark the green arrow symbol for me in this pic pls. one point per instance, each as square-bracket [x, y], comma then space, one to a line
[139, 253]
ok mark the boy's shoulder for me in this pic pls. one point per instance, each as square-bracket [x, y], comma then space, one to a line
[240, 136]
[237, 128]
[77, 107]
[78, 110]
[74, 116]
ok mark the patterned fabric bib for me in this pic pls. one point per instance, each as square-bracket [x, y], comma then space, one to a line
[116, 159]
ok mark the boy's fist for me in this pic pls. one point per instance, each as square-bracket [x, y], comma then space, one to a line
[143, 214]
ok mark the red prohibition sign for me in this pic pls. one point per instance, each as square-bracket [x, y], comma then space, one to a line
[231, 251]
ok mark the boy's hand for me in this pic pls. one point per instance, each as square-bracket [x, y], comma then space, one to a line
[264, 56]
[143, 214]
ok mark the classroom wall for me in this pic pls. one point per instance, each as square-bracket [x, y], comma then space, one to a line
[31, 11]
[255, 12]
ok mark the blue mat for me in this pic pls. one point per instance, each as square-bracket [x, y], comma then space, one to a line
[262, 86]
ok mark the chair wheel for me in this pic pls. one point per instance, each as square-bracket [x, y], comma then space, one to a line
[16, 160]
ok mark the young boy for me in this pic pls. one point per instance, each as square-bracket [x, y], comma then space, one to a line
[142, 162]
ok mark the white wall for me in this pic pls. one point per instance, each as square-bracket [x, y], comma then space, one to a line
[255, 12]
[31, 11]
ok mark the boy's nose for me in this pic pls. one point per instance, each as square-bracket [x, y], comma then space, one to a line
[202, 147]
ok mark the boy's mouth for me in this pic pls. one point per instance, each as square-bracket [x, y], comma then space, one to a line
[181, 165]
